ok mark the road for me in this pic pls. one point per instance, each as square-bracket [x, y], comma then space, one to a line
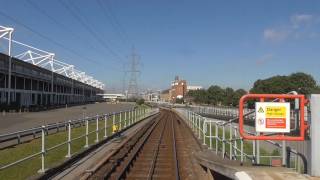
[17, 121]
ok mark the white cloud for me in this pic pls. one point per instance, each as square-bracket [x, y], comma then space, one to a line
[299, 20]
[276, 35]
[299, 26]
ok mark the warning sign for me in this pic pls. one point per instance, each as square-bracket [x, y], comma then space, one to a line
[260, 110]
[275, 111]
[272, 117]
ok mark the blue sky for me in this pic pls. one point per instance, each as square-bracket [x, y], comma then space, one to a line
[229, 43]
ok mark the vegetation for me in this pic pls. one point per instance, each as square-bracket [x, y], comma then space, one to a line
[215, 95]
[140, 101]
[301, 82]
[180, 101]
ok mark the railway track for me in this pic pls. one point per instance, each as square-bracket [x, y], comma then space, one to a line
[162, 150]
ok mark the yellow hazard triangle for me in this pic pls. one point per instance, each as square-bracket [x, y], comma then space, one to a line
[260, 110]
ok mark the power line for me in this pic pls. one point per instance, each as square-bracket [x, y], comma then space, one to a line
[115, 26]
[58, 23]
[47, 38]
[115, 19]
[73, 34]
[88, 28]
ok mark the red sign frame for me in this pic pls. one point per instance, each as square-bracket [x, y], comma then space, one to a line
[279, 136]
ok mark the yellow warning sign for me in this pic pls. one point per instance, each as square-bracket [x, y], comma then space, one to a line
[276, 112]
[260, 110]
[114, 128]
[272, 117]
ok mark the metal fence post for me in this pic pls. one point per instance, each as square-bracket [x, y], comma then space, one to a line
[129, 114]
[87, 133]
[199, 136]
[204, 129]
[138, 116]
[217, 136]
[125, 119]
[284, 153]
[192, 121]
[43, 150]
[241, 161]
[69, 140]
[97, 129]
[105, 125]
[254, 159]
[230, 138]
[190, 117]
[210, 127]
[258, 151]
[189, 120]
[235, 142]
[135, 115]
[130, 117]
[113, 121]
[120, 120]
[223, 141]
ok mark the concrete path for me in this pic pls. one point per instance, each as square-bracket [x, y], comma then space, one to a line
[233, 170]
[15, 121]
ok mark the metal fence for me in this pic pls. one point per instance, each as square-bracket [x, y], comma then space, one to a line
[106, 124]
[224, 139]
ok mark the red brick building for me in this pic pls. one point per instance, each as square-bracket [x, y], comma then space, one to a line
[178, 89]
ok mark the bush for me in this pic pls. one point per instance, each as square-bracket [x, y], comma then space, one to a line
[140, 101]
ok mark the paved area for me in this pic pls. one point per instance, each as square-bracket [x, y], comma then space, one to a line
[233, 170]
[14, 121]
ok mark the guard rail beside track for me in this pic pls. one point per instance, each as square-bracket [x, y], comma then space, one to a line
[106, 125]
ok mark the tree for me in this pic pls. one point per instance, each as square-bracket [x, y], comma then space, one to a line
[198, 96]
[300, 82]
[215, 95]
[237, 95]
[303, 83]
[140, 101]
[180, 101]
[229, 93]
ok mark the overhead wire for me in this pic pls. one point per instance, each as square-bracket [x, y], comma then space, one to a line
[116, 27]
[77, 16]
[47, 38]
[115, 19]
[63, 26]
[58, 23]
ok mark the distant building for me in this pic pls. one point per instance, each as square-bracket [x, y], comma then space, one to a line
[193, 88]
[112, 97]
[178, 89]
[165, 95]
[151, 96]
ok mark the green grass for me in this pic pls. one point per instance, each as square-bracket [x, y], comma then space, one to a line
[54, 157]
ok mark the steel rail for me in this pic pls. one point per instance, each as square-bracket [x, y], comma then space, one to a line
[176, 161]
[136, 148]
[156, 153]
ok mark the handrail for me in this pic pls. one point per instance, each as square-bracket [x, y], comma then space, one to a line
[36, 130]
[124, 120]
[200, 124]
